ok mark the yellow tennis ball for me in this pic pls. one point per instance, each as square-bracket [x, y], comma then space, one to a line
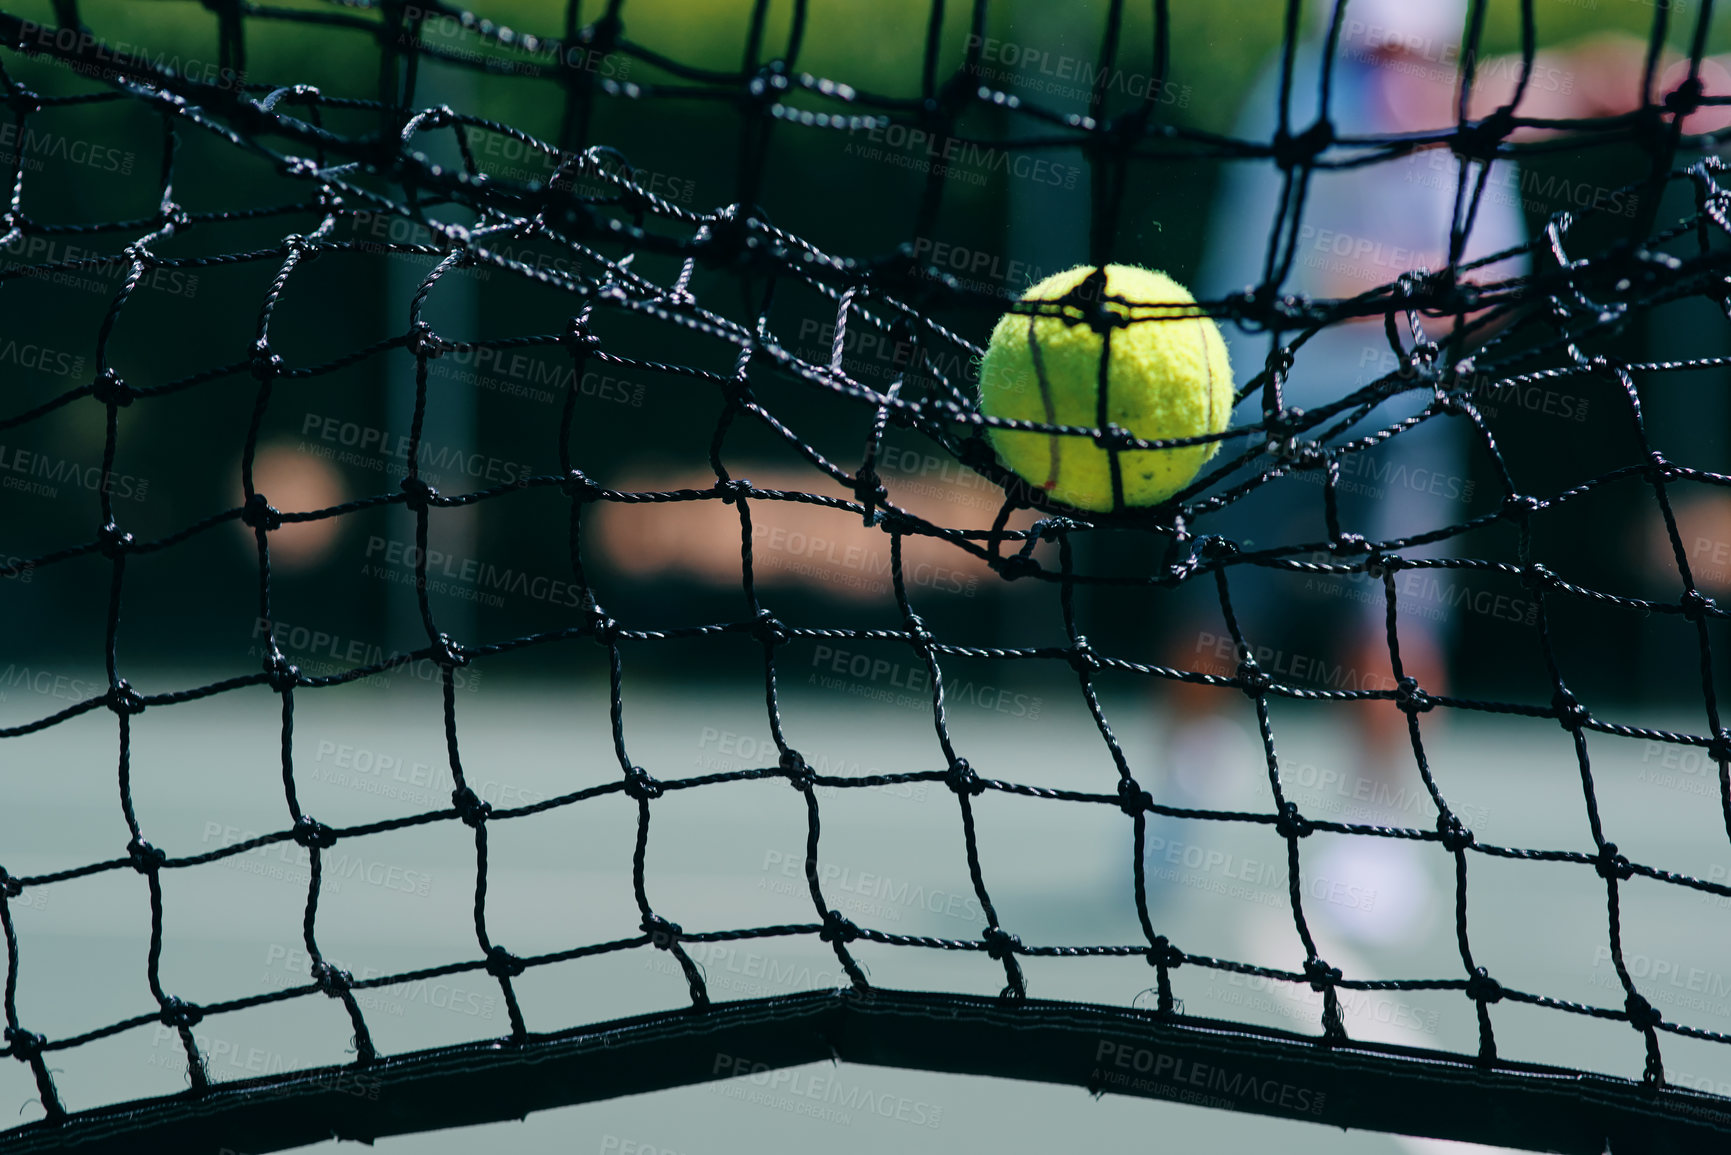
[1167, 378]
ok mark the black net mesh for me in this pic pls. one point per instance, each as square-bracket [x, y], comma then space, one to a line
[1457, 337]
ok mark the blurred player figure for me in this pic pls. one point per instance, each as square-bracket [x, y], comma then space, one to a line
[1397, 70]
[1394, 72]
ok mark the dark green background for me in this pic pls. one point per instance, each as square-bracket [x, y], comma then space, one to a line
[194, 604]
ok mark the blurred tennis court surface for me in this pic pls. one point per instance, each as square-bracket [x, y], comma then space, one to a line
[205, 775]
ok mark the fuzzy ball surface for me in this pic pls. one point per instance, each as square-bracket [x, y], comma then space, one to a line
[1167, 377]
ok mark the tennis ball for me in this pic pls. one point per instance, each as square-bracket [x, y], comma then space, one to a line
[1167, 378]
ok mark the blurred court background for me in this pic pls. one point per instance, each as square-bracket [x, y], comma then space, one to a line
[534, 722]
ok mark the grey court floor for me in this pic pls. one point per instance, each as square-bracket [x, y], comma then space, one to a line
[207, 774]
